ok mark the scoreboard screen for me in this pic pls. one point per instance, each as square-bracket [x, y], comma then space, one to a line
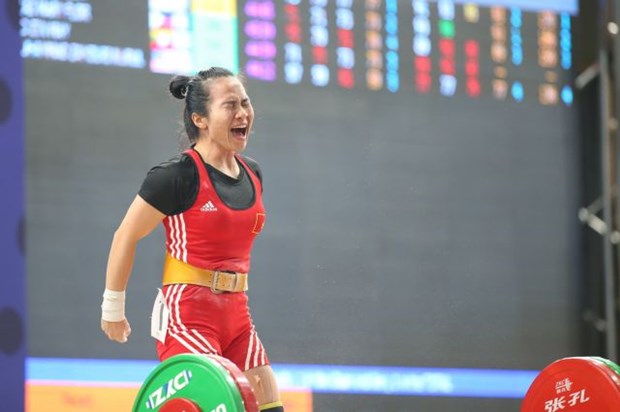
[516, 50]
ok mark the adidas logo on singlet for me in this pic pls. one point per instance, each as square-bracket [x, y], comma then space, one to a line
[208, 207]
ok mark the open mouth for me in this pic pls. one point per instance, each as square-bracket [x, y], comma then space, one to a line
[239, 131]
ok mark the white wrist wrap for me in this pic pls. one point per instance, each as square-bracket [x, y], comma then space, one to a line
[113, 306]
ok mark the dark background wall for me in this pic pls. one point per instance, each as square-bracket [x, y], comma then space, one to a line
[402, 229]
[587, 41]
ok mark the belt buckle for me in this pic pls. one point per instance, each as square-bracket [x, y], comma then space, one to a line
[236, 282]
[216, 276]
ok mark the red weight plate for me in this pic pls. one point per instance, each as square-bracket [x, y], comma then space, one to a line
[613, 366]
[180, 405]
[574, 384]
[247, 394]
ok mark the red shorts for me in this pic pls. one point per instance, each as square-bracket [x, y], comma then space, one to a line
[204, 322]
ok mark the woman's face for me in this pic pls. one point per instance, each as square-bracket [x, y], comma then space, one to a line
[230, 114]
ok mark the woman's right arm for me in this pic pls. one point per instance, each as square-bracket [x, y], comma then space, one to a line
[140, 220]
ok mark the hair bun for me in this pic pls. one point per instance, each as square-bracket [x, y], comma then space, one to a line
[178, 86]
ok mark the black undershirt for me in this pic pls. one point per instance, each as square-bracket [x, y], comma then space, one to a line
[172, 186]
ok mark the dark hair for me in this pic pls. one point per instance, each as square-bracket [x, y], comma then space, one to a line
[196, 93]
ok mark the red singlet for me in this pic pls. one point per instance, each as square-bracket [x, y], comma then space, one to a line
[210, 235]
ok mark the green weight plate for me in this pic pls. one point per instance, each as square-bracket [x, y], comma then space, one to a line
[247, 394]
[197, 378]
